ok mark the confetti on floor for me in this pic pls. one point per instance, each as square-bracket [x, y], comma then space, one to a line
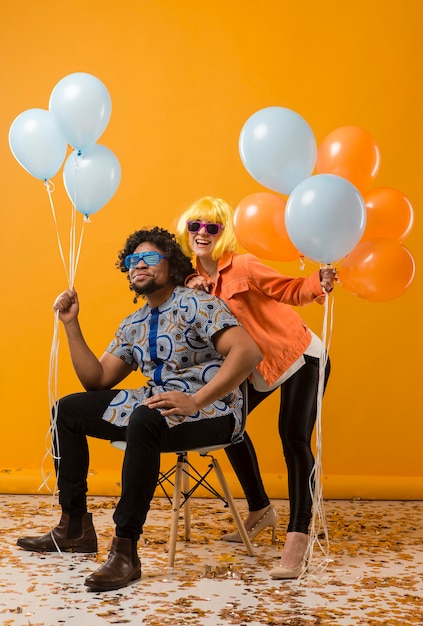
[374, 575]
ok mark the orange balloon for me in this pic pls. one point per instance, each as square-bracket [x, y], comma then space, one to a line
[259, 225]
[378, 270]
[389, 214]
[350, 152]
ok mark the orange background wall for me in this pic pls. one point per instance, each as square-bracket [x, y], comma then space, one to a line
[184, 76]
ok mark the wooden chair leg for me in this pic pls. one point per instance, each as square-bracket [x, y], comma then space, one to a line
[186, 506]
[179, 470]
[231, 503]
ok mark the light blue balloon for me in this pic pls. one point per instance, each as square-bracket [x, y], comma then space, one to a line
[82, 106]
[278, 148]
[91, 178]
[325, 217]
[37, 143]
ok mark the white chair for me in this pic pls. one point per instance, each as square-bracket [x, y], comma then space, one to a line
[183, 472]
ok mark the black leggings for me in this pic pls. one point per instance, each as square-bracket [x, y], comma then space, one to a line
[147, 436]
[297, 417]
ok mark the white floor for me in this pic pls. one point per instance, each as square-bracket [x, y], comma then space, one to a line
[375, 573]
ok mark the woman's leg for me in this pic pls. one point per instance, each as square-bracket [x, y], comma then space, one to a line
[243, 459]
[297, 418]
[148, 435]
[296, 422]
[79, 415]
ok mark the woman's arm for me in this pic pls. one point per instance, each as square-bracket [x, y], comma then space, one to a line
[286, 289]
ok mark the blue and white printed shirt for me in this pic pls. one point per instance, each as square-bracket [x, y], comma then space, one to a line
[173, 347]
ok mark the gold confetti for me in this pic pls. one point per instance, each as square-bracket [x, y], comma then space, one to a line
[374, 576]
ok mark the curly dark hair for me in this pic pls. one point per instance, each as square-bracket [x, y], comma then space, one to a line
[180, 266]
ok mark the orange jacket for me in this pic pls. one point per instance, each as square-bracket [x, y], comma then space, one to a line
[262, 300]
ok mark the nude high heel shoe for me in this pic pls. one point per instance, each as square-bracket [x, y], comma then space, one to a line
[285, 573]
[296, 547]
[269, 518]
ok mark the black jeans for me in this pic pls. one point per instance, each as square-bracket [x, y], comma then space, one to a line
[147, 436]
[297, 417]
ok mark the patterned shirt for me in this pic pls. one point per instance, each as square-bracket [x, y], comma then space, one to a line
[172, 345]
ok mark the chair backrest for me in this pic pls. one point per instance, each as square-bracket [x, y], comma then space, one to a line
[244, 391]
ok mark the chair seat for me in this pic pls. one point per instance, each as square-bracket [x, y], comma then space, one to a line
[121, 445]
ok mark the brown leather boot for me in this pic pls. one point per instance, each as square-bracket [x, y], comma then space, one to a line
[120, 568]
[87, 542]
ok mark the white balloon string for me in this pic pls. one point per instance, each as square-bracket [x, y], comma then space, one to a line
[52, 449]
[52, 402]
[52, 440]
[78, 250]
[74, 250]
[73, 255]
[50, 188]
[72, 235]
[318, 534]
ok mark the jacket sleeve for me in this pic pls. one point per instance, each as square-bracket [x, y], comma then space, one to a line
[293, 291]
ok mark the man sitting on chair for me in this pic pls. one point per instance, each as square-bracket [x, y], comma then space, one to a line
[194, 354]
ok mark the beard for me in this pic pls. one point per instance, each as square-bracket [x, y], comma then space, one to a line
[150, 286]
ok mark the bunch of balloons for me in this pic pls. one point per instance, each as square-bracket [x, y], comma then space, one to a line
[79, 112]
[330, 214]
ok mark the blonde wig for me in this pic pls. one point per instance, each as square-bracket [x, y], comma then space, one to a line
[209, 209]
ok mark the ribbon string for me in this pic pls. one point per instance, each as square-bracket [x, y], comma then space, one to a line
[318, 534]
[75, 246]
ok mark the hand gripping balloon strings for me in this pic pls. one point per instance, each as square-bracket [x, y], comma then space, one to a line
[52, 442]
[318, 535]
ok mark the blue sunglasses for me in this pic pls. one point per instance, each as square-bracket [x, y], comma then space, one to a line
[149, 258]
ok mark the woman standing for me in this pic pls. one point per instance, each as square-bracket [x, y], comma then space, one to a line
[262, 300]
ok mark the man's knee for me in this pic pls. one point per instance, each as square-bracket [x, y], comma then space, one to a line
[63, 408]
[145, 423]
[69, 409]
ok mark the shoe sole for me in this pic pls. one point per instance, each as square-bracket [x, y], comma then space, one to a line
[137, 576]
[88, 550]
